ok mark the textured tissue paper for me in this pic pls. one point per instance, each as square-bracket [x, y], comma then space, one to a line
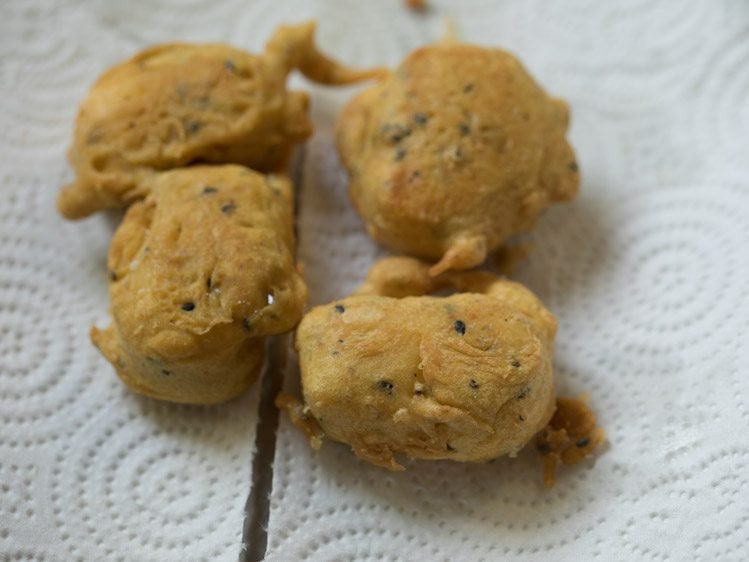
[647, 272]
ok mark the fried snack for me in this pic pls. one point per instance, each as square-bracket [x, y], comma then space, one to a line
[390, 371]
[570, 437]
[200, 272]
[455, 151]
[180, 103]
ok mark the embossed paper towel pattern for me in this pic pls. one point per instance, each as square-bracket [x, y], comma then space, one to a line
[647, 273]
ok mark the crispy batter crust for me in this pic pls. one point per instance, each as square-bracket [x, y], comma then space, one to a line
[454, 152]
[466, 377]
[570, 437]
[200, 272]
[179, 103]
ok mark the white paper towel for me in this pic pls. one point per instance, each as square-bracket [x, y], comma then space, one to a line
[647, 272]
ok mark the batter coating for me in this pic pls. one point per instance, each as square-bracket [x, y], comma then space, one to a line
[466, 377]
[570, 437]
[179, 103]
[200, 271]
[455, 151]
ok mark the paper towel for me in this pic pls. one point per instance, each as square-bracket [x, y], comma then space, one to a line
[647, 272]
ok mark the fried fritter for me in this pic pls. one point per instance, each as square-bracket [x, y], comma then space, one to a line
[180, 103]
[391, 371]
[200, 271]
[455, 151]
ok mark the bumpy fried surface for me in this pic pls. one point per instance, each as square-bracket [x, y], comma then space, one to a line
[178, 103]
[200, 272]
[466, 377]
[570, 437]
[455, 151]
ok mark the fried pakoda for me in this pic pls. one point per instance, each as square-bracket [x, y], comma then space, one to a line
[180, 103]
[391, 371]
[455, 151]
[200, 272]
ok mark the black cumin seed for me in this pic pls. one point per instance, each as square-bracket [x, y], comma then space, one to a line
[473, 384]
[460, 327]
[399, 132]
[572, 166]
[112, 275]
[208, 190]
[188, 306]
[340, 341]
[420, 118]
[209, 283]
[400, 154]
[451, 448]
[340, 309]
[194, 126]
[467, 88]
[521, 417]
[464, 129]
[165, 372]
[524, 392]
[584, 442]
[515, 363]
[386, 387]
[228, 209]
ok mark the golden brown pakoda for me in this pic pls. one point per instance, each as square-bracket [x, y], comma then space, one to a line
[180, 103]
[200, 272]
[391, 371]
[455, 151]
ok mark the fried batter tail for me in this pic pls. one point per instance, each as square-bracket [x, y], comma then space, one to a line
[301, 418]
[378, 454]
[398, 277]
[464, 253]
[74, 202]
[293, 47]
[404, 277]
[82, 198]
[570, 437]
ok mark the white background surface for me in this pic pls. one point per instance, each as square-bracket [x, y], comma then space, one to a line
[647, 271]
